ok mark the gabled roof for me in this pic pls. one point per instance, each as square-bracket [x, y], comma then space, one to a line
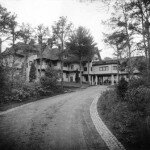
[18, 50]
[50, 53]
[115, 61]
[105, 62]
[53, 54]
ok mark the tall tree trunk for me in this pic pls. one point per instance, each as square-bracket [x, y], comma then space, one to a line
[80, 72]
[13, 61]
[0, 51]
[148, 54]
[62, 64]
[145, 46]
[62, 79]
[117, 63]
[88, 72]
[129, 46]
[40, 61]
[25, 70]
[144, 39]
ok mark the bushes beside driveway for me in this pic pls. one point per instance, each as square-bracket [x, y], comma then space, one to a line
[128, 117]
[21, 91]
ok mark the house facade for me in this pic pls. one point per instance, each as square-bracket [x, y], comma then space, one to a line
[107, 72]
[96, 72]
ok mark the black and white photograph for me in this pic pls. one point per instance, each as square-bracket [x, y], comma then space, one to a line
[74, 74]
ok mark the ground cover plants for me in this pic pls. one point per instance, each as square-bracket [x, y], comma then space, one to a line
[20, 91]
[126, 111]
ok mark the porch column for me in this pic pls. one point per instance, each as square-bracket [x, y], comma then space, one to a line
[92, 80]
[112, 79]
[117, 78]
[96, 79]
[89, 79]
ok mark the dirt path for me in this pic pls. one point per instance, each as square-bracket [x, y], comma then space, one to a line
[58, 123]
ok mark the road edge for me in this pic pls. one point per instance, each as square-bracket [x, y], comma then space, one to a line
[110, 140]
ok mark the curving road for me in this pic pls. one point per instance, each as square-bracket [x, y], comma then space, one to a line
[62, 122]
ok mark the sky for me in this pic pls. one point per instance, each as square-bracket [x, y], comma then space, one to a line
[89, 15]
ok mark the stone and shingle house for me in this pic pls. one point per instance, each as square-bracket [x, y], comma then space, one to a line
[100, 72]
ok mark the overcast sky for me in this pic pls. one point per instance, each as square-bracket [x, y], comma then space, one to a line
[45, 12]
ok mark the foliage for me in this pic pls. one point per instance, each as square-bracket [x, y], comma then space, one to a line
[136, 82]
[32, 73]
[138, 98]
[25, 33]
[4, 87]
[48, 82]
[122, 87]
[81, 44]
[128, 119]
[61, 31]
[6, 20]
[23, 91]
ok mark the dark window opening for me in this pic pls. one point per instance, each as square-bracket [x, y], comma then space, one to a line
[85, 68]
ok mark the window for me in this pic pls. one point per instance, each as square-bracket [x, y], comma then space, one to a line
[114, 67]
[72, 66]
[65, 56]
[105, 68]
[100, 68]
[65, 65]
[55, 63]
[71, 79]
[67, 75]
[30, 62]
[85, 68]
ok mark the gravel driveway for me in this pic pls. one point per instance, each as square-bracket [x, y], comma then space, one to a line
[59, 123]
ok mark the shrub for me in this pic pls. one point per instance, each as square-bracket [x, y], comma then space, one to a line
[136, 82]
[4, 87]
[48, 82]
[32, 73]
[138, 98]
[23, 91]
[128, 119]
[121, 88]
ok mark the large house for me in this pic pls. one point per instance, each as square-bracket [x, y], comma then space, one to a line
[97, 71]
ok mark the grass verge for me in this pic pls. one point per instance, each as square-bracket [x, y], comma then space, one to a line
[130, 127]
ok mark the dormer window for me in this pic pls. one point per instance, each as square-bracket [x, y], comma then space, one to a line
[72, 67]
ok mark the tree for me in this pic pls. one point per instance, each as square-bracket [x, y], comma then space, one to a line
[6, 19]
[49, 81]
[117, 41]
[12, 25]
[25, 34]
[41, 34]
[140, 14]
[61, 30]
[89, 58]
[32, 73]
[81, 44]
[120, 22]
